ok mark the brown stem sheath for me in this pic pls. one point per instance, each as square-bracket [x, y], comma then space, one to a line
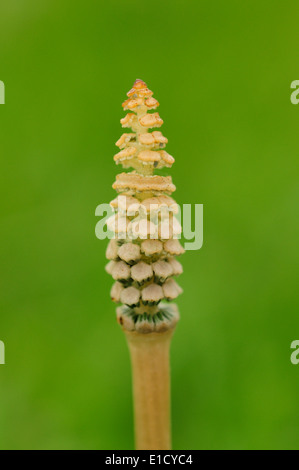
[151, 388]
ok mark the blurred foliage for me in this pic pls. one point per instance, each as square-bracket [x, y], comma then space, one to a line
[222, 73]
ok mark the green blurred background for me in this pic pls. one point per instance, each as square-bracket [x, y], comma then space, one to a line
[222, 72]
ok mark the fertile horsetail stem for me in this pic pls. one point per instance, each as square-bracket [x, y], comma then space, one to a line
[142, 261]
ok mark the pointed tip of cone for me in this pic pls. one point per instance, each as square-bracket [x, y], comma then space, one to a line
[138, 84]
[140, 89]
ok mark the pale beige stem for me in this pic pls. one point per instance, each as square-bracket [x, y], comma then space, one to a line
[151, 388]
